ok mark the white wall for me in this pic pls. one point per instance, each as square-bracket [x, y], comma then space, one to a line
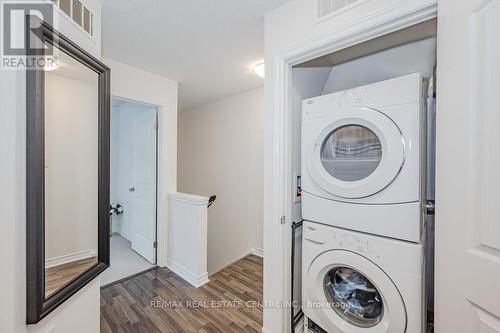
[80, 314]
[221, 153]
[138, 85]
[307, 82]
[416, 57]
[71, 162]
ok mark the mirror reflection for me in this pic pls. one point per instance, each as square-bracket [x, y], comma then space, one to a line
[71, 171]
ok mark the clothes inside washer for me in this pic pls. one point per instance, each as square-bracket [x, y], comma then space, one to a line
[354, 296]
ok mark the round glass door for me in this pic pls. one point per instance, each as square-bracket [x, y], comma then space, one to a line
[353, 297]
[351, 153]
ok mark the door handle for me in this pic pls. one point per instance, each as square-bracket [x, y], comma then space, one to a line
[132, 189]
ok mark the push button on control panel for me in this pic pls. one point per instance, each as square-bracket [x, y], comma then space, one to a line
[355, 243]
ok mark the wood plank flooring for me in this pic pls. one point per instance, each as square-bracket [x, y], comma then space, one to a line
[58, 276]
[160, 301]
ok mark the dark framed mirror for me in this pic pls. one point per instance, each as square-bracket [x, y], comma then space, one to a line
[67, 126]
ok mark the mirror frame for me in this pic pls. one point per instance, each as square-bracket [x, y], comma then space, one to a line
[37, 305]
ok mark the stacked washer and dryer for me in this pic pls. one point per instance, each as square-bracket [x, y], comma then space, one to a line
[363, 194]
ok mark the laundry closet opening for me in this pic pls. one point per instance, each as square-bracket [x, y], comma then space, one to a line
[133, 190]
[357, 163]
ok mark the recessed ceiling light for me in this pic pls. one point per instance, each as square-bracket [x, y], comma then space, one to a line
[259, 70]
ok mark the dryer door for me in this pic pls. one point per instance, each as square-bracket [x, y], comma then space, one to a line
[359, 151]
[353, 295]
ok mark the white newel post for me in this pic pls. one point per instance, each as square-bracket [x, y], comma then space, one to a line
[187, 237]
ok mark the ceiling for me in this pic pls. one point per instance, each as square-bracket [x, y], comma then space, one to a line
[208, 46]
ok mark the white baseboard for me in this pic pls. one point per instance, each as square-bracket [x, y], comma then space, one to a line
[264, 330]
[257, 251]
[196, 281]
[123, 234]
[56, 261]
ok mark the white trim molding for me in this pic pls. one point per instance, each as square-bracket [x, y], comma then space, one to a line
[67, 258]
[189, 198]
[196, 281]
[257, 251]
[278, 167]
[322, 15]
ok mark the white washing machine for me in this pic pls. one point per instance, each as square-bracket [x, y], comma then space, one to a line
[363, 158]
[359, 283]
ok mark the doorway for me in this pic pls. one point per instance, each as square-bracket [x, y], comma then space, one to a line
[327, 146]
[283, 163]
[133, 190]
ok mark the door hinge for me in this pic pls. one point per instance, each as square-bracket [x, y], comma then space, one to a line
[156, 125]
[155, 245]
[283, 219]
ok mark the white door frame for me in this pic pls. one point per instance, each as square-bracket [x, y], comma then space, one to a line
[277, 235]
[161, 232]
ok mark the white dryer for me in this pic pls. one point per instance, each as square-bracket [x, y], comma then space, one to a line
[362, 158]
[359, 283]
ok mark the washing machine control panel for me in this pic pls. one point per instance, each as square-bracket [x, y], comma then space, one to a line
[354, 243]
[318, 235]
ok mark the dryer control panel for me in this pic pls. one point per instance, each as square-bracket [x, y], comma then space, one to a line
[352, 96]
[403, 90]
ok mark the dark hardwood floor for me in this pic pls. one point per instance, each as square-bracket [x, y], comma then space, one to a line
[160, 301]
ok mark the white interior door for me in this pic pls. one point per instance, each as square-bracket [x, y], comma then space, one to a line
[143, 234]
[467, 296]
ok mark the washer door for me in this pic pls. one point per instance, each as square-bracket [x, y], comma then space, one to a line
[353, 295]
[358, 153]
